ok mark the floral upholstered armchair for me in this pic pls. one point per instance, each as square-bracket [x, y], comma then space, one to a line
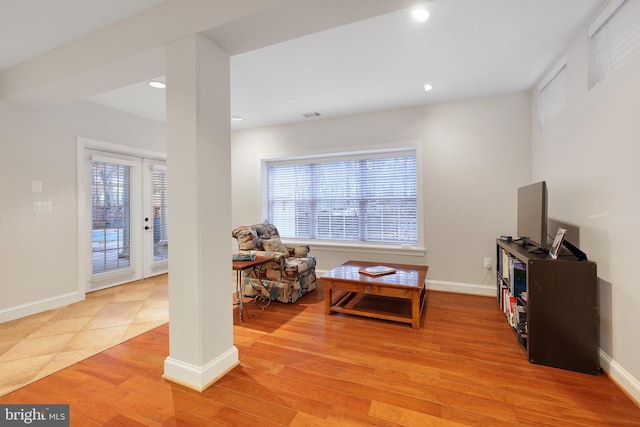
[291, 274]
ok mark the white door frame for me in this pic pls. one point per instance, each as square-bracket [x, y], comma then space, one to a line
[84, 194]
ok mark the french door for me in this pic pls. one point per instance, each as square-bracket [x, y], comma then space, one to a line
[127, 209]
[156, 218]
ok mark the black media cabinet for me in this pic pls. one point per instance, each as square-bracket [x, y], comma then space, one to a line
[552, 306]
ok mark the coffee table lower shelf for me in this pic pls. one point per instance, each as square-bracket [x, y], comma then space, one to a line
[399, 297]
[377, 307]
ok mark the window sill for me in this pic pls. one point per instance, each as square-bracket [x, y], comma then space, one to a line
[408, 250]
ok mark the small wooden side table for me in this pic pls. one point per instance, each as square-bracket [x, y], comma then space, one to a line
[239, 267]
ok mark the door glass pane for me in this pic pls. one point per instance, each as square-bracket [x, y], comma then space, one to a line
[111, 212]
[160, 215]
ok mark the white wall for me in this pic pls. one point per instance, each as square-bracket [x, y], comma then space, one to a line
[475, 154]
[590, 157]
[38, 252]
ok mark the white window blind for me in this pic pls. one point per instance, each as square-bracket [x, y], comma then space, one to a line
[614, 38]
[372, 198]
[552, 97]
[113, 181]
[160, 205]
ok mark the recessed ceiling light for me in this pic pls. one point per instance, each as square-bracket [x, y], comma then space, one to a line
[428, 87]
[157, 84]
[420, 14]
[236, 118]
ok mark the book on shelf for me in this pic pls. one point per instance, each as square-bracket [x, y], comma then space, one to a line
[505, 300]
[505, 264]
[513, 304]
[520, 315]
[377, 270]
[518, 277]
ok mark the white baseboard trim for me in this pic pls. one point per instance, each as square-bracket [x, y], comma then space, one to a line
[23, 310]
[620, 376]
[461, 288]
[199, 378]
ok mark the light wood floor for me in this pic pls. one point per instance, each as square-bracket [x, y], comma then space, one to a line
[302, 368]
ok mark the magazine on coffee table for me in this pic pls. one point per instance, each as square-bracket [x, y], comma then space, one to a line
[377, 270]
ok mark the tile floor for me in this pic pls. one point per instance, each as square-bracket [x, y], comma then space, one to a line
[38, 345]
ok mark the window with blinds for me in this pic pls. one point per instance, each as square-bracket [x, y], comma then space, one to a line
[369, 198]
[614, 38]
[552, 97]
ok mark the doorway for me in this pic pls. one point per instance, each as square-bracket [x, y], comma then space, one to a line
[123, 220]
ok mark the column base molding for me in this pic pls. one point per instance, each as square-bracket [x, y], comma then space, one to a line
[199, 378]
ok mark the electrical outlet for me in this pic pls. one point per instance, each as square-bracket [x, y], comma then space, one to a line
[41, 207]
[487, 263]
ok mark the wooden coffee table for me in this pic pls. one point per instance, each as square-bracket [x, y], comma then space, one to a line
[399, 296]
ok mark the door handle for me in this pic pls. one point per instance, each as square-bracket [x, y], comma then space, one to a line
[146, 227]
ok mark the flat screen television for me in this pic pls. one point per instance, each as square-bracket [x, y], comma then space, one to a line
[532, 216]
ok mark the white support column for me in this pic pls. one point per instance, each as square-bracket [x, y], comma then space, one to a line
[201, 346]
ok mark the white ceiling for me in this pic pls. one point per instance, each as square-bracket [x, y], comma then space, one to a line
[467, 48]
[32, 27]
